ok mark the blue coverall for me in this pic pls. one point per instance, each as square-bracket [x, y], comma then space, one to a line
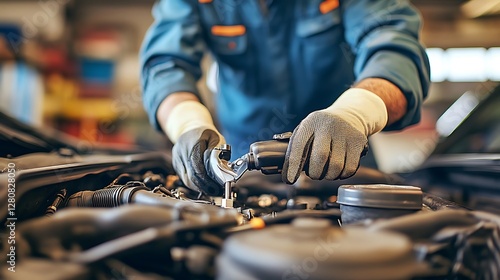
[279, 60]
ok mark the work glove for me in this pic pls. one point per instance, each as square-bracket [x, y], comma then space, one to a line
[328, 143]
[191, 129]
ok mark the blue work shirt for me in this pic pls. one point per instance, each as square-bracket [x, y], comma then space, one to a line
[279, 60]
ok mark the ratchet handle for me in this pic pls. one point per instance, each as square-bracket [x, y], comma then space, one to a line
[269, 156]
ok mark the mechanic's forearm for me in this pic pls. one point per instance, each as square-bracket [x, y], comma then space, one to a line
[169, 103]
[394, 99]
[181, 112]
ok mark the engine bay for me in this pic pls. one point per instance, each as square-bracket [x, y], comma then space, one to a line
[129, 216]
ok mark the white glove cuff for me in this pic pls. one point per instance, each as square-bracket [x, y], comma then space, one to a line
[185, 116]
[362, 108]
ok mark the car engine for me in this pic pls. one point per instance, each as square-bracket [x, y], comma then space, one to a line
[128, 216]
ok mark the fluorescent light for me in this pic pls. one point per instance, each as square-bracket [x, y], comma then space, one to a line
[437, 59]
[466, 64]
[477, 8]
[493, 64]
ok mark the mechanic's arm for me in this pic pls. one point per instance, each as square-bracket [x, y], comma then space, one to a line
[393, 98]
[167, 120]
[384, 36]
[170, 60]
[392, 73]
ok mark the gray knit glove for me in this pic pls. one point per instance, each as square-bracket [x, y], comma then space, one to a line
[189, 154]
[328, 143]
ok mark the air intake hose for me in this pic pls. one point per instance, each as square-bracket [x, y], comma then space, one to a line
[111, 197]
[127, 194]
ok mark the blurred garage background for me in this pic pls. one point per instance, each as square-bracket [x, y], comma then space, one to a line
[76, 62]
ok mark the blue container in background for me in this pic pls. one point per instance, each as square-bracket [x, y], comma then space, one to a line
[97, 71]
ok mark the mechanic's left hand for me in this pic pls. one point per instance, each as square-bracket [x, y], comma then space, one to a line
[329, 142]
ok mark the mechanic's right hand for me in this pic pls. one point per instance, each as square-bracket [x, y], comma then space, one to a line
[188, 159]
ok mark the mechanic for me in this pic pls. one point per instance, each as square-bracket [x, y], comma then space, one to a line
[333, 71]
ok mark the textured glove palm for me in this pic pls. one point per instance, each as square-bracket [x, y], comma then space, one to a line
[189, 153]
[327, 145]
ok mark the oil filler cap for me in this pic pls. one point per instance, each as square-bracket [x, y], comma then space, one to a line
[380, 196]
